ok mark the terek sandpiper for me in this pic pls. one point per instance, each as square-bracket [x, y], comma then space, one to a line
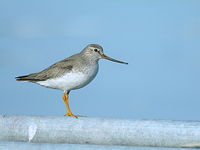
[71, 73]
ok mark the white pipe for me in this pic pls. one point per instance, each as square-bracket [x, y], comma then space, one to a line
[100, 131]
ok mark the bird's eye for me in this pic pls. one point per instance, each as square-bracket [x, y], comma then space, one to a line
[96, 50]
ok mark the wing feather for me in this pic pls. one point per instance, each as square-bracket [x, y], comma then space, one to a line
[53, 71]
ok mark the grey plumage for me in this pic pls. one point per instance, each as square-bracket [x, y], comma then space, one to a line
[64, 66]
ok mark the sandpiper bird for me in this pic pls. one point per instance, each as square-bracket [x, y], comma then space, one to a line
[71, 73]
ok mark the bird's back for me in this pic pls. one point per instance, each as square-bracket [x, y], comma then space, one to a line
[53, 71]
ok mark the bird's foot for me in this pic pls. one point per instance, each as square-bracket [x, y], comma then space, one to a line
[71, 115]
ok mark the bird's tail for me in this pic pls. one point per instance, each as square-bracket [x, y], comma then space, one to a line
[30, 77]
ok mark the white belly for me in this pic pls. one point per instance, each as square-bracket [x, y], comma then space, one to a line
[70, 81]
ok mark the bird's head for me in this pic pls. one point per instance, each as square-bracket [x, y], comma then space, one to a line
[95, 52]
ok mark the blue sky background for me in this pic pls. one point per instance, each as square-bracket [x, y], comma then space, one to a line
[159, 39]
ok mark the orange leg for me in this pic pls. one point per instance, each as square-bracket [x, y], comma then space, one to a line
[65, 98]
